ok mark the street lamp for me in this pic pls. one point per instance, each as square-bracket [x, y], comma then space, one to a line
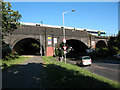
[64, 31]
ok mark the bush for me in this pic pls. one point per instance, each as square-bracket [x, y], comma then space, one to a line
[100, 52]
[56, 52]
[5, 51]
[118, 52]
[10, 56]
[16, 55]
[113, 50]
[103, 52]
[93, 54]
[7, 58]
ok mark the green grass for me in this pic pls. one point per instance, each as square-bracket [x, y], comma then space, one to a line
[66, 75]
[13, 62]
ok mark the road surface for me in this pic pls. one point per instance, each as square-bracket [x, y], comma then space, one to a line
[107, 68]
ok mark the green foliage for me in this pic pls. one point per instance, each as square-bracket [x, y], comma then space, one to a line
[113, 50]
[5, 49]
[115, 41]
[118, 40]
[10, 17]
[60, 49]
[62, 44]
[37, 46]
[118, 36]
[118, 52]
[105, 52]
[7, 52]
[56, 52]
[10, 56]
[7, 64]
[59, 52]
[100, 53]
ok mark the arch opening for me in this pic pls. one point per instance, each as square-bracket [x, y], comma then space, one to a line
[101, 44]
[75, 48]
[28, 46]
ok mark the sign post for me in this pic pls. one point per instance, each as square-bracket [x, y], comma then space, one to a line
[64, 41]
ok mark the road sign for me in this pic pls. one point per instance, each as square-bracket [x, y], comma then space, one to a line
[98, 33]
[64, 47]
[55, 40]
[65, 52]
[64, 40]
[49, 40]
[93, 42]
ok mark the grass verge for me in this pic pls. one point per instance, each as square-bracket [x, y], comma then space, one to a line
[61, 75]
[7, 64]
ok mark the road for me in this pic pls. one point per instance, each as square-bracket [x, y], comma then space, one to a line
[106, 68]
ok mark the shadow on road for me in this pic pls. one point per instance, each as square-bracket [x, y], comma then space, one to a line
[30, 76]
[23, 76]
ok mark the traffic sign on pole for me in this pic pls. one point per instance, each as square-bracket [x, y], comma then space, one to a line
[55, 40]
[64, 40]
[65, 47]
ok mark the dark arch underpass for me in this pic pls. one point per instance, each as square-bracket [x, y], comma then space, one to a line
[28, 46]
[78, 48]
[101, 44]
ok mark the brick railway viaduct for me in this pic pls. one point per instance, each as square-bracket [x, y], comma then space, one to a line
[44, 35]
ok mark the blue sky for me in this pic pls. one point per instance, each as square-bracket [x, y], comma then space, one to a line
[90, 15]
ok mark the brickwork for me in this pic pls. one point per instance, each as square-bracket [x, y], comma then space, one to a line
[35, 32]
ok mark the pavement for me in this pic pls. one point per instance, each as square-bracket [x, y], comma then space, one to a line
[106, 68]
[25, 75]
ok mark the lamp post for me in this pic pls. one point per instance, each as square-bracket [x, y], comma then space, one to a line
[64, 31]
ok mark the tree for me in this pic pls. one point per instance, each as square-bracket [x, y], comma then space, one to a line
[114, 44]
[10, 22]
[118, 40]
[10, 18]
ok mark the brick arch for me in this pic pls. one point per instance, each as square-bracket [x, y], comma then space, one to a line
[84, 40]
[22, 42]
[101, 43]
[20, 38]
[72, 42]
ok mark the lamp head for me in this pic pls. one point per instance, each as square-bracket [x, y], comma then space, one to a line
[73, 10]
